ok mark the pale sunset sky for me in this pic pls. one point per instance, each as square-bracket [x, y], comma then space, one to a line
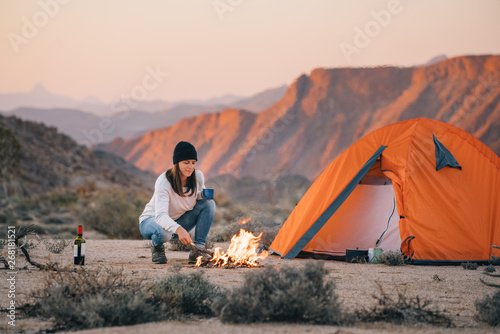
[209, 48]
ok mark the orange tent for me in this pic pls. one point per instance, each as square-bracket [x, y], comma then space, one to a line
[422, 186]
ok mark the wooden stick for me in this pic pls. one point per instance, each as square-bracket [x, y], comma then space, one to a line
[203, 250]
[21, 234]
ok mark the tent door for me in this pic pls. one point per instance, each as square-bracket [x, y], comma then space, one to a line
[359, 222]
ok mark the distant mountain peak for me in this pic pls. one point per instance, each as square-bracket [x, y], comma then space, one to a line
[435, 60]
[91, 99]
[39, 89]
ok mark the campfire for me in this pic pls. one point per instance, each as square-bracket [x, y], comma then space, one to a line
[242, 252]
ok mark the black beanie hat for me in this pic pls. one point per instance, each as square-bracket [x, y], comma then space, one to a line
[184, 151]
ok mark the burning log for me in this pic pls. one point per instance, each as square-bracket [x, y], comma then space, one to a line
[242, 252]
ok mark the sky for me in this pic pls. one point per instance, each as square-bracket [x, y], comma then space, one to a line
[198, 49]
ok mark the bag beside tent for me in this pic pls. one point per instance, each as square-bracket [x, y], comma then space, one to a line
[422, 186]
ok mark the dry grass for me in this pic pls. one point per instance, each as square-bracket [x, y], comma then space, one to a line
[79, 299]
[402, 310]
[469, 265]
[391, 258]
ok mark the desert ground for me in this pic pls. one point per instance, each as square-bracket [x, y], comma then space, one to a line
[451, 289]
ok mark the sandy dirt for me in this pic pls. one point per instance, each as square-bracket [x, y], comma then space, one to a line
[454, 290]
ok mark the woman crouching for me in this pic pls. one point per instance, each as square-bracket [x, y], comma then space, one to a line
[177, 206]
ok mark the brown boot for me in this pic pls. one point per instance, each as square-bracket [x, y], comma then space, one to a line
[159, 254]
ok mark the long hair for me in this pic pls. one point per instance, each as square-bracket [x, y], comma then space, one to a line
[174, 177]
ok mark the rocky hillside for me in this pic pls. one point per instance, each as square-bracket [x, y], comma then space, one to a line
[323, 113]
[51, 160]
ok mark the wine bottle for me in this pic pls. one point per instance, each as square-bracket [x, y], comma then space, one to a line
[80, 247]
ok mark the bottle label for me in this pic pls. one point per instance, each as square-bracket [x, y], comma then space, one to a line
[82, 250]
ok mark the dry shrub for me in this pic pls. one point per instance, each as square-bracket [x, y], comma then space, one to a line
[495, 260]
[264, 217]
[391, 258]
[185, 294]
[57, 244]
[488, 309]
[94, 298]
[489, 269]
[286, 295]
[469, 265]
[104, 297]
[225, 232]
[403, 311]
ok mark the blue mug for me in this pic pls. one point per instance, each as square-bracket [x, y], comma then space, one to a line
[208, 194]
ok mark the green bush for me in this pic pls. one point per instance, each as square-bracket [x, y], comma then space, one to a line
[115, 213]
[286, 295]
[488, 309]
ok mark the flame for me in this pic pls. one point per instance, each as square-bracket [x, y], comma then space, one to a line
[243, 221]
[241, 252]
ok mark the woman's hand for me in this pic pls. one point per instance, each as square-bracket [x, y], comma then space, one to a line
[184, 236]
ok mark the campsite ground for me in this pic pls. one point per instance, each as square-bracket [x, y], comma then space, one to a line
[451, 289]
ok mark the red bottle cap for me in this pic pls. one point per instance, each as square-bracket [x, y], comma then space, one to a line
[80, 229]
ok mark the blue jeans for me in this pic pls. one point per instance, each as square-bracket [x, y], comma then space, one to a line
[200, 217]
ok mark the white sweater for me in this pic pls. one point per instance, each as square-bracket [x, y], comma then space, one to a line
[166, 205]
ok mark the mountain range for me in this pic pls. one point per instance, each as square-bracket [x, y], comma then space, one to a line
[40, 98]
[83, 121]
[323, 113]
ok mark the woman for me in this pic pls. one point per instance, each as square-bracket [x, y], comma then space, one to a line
[177, 206]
